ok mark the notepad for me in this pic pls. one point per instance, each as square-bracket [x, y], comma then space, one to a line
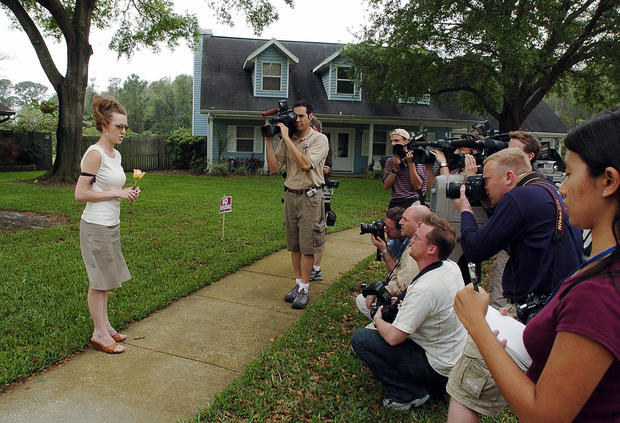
[512, 331]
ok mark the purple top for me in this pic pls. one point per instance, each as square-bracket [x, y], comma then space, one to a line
[402, 184]
[591, 309]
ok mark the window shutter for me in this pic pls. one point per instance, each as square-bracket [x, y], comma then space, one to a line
[258, 140]
[231, 138]
[365, 141]
[388, 149]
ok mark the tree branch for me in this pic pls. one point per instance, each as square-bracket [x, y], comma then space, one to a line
[37, 41]
[62, 19]
[485, 103]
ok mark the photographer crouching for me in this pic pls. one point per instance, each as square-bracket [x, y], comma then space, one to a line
[529, 221]
[304, 213]
[413, 355]
[406, 179]
[401, 226]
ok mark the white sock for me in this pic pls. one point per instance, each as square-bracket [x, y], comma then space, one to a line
[298, 281]
[316, 268]
[304, 287]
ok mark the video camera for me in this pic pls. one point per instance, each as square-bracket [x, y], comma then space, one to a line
[420, 155]
[284, 114]
[384, 298]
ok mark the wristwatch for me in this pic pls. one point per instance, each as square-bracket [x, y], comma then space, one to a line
[384, 252]
[443, 164]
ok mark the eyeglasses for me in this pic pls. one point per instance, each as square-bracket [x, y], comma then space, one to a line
[122, 126]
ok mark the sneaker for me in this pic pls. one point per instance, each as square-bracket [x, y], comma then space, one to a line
[301, 300]
[290, 297]
[316, 275]
[390, 403]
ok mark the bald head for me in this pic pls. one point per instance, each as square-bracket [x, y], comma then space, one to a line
[412, 217]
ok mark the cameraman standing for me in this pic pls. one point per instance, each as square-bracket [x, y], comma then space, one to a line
[530, 222]
[407, 180]
[304, 212]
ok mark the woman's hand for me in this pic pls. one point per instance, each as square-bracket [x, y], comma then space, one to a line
[439, 156]
[471, 168]
[471, 306]
[129, 194]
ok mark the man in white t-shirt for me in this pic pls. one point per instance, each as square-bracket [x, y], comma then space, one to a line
[413, 355]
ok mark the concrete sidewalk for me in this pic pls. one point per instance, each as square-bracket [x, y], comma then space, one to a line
[178, 358]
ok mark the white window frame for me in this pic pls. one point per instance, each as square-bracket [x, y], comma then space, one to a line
[232, 139]
[344, 80]
[279, 76]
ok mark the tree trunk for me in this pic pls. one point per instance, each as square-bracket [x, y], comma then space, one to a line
[71, 94]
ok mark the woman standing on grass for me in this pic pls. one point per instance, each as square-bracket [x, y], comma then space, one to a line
[574, 341]
[100, 184]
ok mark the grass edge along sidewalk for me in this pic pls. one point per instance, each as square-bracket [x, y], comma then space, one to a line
[309, 373]
[173, 248]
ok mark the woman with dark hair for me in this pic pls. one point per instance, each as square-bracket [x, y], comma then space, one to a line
[100, 184]
[574, 342]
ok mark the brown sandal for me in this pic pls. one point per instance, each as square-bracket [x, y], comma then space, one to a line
[118, 337]
[110, 349]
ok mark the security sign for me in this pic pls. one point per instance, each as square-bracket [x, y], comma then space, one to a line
[226, 204]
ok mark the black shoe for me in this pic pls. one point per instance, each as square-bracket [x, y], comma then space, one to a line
[316, 275]
[290, 297]
[301, 301]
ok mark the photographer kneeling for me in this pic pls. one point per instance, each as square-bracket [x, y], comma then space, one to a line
[401, 267]
[413, 356]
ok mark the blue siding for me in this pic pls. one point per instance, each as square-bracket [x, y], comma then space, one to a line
[200, 122]
[220, 127]
[356, 96]
[271, 55]
[325, 78]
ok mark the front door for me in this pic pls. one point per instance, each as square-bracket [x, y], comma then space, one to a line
[342, 142]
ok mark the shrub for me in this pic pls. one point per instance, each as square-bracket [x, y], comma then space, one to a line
[219, 169]
[373, 174]
[242, 171]
[262, 172]
[184, 148]
[252, 164]
[198, 165]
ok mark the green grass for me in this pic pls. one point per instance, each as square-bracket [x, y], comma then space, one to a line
[309, 373]
[173, 248]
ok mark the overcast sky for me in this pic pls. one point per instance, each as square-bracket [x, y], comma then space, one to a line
[317, 20]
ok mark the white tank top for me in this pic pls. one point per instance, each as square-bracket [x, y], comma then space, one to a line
[110, 176]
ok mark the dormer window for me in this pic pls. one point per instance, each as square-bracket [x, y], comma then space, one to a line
[272, 76]
[344, 80]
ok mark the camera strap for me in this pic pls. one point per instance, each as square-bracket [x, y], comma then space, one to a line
[559, 222]
[427, 269]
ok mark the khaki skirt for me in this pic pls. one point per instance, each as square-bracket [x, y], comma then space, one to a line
[101, 252]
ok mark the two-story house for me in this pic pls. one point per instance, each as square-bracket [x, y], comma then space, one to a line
[236, 79]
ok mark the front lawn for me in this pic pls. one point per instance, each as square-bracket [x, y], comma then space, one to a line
[172, 248]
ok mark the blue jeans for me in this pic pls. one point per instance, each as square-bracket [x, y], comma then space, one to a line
[403, 369]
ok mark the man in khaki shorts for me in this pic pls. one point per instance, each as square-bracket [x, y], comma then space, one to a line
[304, 213]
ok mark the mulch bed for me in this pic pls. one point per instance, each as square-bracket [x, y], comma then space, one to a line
[12, 221]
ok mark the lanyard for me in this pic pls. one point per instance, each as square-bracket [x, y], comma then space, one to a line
[581, 266]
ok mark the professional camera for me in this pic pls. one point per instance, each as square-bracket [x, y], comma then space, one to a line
[384, 298]
[474, 189]
[377, 228]
[283, 114]
[328, 190]
[531, 307]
